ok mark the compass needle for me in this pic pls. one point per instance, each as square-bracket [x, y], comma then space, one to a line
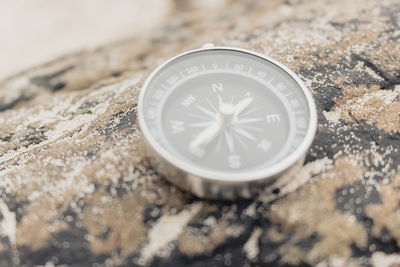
[225, 122]
[208, 134]
[242, 105]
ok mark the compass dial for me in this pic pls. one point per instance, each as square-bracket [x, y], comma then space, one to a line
[222, 112]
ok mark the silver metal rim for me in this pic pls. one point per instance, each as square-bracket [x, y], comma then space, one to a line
[270, 171]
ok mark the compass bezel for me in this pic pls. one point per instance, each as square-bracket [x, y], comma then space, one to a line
[217, 176]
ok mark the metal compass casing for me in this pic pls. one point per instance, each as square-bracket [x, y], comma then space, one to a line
[225, 122]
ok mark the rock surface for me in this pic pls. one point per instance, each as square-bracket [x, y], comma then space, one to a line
[74, 189]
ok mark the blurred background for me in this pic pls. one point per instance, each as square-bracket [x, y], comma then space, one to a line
[36, 31]
[33, 32]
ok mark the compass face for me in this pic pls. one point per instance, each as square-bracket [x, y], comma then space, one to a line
[222, 113]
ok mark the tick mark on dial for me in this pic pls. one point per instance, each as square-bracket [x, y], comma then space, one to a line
[250, 111]
[211, 105]
[200, 124]
[240, 141]
[219, 143]
[206, 111]
[249, 120]
[229, 140]
[199, 116]
[253, 128]
[244, 133]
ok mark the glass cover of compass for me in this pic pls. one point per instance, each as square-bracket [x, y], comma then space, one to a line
[227, 114]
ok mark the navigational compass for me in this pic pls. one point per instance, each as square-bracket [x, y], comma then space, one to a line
[225, 122]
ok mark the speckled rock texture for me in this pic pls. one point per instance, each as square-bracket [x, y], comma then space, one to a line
[76, 191]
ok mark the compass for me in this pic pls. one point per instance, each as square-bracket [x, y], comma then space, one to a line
[225, 122]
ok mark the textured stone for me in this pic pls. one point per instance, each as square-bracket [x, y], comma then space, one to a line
[75, 189]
